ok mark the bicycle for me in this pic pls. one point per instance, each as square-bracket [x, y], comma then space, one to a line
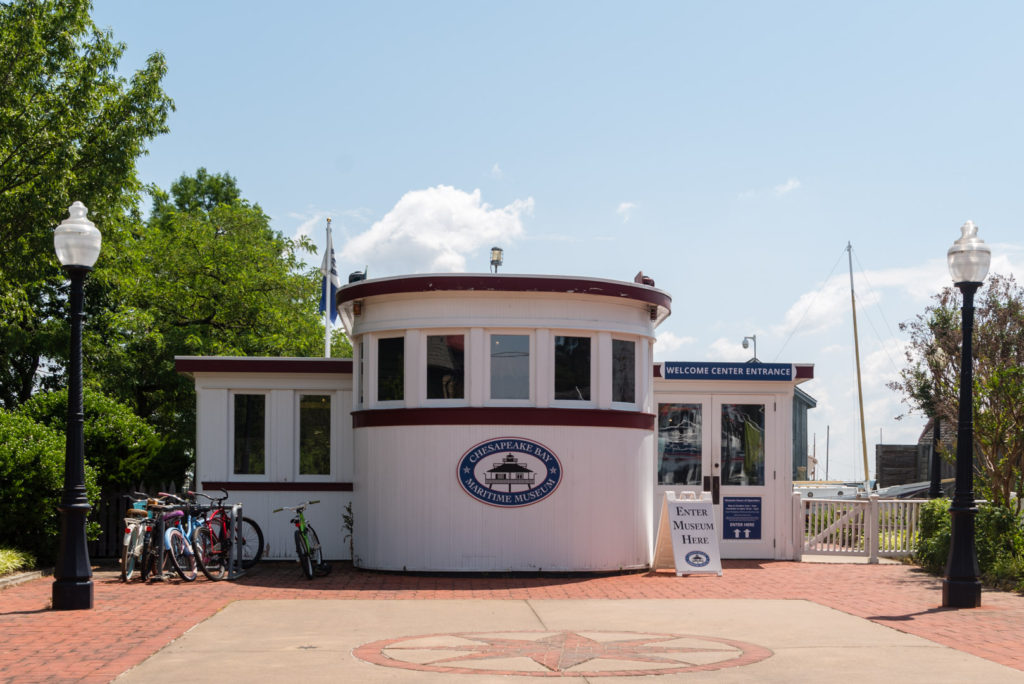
[134, 531]
[183, 558]
[212, 539]
[156, 544]
[307, 544]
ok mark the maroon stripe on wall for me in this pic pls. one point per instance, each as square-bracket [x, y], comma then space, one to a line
[502, 283]
[215, 364]
[504, 416]
[805, 371]
[280, 486]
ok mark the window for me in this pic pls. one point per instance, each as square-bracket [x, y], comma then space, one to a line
[391, 369]
[743, 444]
[510, 366]
[572, 368]
[623, 371]
[314, 434]
[250, 434]
[362, 371]
[680, 444]
[446, 356]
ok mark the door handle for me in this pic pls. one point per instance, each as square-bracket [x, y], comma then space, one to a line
[707, 483]
[716, 489]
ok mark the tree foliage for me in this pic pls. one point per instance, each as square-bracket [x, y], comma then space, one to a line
[931, 380]
[118, 444]
[205, 276]
[71, 129]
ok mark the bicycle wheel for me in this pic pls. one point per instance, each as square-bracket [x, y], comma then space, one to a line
[316, 553]
[182, 558]
[252, 543]
[211, 562]
[304, 559]
[128, 556]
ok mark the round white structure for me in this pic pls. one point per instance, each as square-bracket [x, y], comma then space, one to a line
[502, 422]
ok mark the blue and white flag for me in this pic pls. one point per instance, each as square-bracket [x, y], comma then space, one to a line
[330, 283]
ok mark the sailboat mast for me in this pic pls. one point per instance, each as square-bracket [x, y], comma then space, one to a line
[856, 354]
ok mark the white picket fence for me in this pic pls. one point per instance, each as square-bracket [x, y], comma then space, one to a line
[869, 527]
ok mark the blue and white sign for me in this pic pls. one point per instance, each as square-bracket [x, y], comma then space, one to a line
[509, 472]
[706, 370]
[741, 517]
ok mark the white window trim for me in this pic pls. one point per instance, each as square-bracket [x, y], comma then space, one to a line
[265, 476]
[372, 365]
[594, 365]
[532, 394]
[637, 380]
[467, 364]
[297, 436]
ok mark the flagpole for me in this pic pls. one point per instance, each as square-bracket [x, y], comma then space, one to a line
[327, 296]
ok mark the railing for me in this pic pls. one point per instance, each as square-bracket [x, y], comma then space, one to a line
[869, 527]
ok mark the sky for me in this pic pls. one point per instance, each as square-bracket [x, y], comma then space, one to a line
[729, 150]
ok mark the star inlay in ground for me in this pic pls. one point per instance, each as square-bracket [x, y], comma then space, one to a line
[561, 654]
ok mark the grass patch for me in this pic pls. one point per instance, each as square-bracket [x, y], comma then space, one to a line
[12, 560]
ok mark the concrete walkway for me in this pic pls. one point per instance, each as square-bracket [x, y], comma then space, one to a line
[760, 621]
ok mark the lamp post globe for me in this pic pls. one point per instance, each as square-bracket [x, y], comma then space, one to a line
[969, 259]
[77, 243]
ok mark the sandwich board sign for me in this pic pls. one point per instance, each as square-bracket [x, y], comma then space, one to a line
[687, 535]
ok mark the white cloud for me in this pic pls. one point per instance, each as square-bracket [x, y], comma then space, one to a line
[496, 171]
[434, 230]
[310, 223]
[625, 210]
[669, 343]
[729, 349]
[787, 187]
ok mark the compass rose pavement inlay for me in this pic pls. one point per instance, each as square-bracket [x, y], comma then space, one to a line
[587, 653]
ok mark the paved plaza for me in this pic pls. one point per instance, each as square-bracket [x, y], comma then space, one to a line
[761, 621]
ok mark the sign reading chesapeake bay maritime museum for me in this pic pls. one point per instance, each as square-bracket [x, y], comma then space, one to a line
[707, 370]
[510, 472]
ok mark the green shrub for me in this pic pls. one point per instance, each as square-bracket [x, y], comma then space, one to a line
[31, 482]
[932, 551]
[998, 539]
[120, 445]
[12, 560]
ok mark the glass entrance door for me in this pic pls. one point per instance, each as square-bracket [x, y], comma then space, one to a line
[719, 444]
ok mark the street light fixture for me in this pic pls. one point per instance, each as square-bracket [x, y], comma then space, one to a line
[969, 258]
[746, 344]
[77, 243]
[496, 257]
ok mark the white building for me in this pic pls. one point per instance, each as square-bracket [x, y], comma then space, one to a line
[496, 423]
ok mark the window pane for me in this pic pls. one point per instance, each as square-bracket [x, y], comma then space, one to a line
[623, 371]
[743, 444]
[445, 366]
[250, 413]
[314, 435]
[680, 442]
[391, 369]
[572, 368]
[510, 366]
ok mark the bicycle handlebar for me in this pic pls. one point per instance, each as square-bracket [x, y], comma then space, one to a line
[301, 506]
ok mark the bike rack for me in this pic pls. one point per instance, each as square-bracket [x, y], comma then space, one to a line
[235, 569]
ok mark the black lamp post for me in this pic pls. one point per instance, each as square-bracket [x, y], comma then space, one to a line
[496, 257]
[969, 258]
[77, 242]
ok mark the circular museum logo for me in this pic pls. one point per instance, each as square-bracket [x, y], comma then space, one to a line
[509, 472]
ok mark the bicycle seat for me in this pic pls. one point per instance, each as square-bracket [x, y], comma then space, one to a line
[136, 513]
[173, 514]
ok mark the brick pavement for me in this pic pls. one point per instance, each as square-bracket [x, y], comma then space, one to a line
[132, 621]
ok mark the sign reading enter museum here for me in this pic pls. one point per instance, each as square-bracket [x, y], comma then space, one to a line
[706, 370]
[509, 472]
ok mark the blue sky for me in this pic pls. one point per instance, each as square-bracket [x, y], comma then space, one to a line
[729, 150]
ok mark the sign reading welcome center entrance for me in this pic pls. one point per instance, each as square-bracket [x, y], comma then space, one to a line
[707, 370]
[509, 472]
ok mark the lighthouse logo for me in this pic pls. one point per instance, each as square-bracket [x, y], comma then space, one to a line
[510, 472]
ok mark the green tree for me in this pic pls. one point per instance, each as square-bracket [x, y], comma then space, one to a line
[71, 129]
[207, 275]
[931, 380]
